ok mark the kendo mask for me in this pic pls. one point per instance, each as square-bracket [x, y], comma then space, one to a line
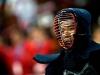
[66, 25]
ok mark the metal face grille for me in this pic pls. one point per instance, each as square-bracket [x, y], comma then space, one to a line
[63, 15]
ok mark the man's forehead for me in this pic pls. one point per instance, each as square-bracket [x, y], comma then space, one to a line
[68, 22]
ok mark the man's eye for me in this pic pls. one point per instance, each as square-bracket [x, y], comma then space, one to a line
[71, 28]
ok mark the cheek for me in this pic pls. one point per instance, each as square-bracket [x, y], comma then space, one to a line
[72, 32]
[62, 36]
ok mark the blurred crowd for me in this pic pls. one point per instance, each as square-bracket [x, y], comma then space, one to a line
[26, 29]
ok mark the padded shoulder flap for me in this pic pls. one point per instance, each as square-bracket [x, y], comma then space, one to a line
[46, 58]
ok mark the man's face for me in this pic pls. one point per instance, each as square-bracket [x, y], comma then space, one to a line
[67, 30]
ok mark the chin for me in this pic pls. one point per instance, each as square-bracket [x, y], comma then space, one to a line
[69, 44]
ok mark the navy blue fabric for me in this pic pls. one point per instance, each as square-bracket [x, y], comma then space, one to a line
[46, 58]
[82, 16]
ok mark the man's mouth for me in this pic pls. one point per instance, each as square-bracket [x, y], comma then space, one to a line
[68, 41]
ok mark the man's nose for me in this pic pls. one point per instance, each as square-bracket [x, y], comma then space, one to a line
[67, 33]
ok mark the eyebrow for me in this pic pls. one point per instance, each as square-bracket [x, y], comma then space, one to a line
[67, 26]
